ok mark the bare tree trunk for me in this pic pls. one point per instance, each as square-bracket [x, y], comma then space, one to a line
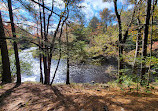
[56, 31]
[40, 56]
[49, 54]
[6, 74]
[41, 73]
[68, 72]
[45, 57]
[59, 44]
[120, 58]
[59, 55]
[151, 41]
[145, 41]
[138, 46]
[15, 44]
[56, 67]
[59, 51]
[41, 43]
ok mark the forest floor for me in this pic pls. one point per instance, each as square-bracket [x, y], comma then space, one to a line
[74, 97]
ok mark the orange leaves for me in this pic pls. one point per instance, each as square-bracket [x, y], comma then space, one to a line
[104, 13]
[155, 45]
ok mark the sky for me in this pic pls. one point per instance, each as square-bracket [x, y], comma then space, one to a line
[91, 8]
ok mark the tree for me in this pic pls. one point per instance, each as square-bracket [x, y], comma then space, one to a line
[120, 61]
[93, 24]
[145, 40]
[138, 46]
[151, 37]
[122, 38]
[106, 18]
[41, 44]
[67, 51]
[45, 57]
[6, 74]
[15, 44]
[47, 45]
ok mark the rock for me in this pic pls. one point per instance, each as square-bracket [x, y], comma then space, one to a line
[92, 82]
[122, 109]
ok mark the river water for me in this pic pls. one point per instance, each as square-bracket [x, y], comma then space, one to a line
[78, 73]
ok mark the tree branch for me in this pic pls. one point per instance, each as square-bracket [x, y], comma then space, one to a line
[46, 8]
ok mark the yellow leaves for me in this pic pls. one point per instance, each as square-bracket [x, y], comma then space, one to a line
[66, 4]
[95, 50]
[103, 44]
[156, 12]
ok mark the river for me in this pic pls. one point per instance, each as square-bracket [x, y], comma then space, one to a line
[78, 73]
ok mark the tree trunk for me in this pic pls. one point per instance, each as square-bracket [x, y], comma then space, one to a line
[151, 41]
[15, 44]
[138, 46]
[40, 56]
[120, 58]
[56, 67]
[68, 72]
[6, 74]
[41, 43]
[45, 57]
[41, 73]
[145, 41]
[122, 39]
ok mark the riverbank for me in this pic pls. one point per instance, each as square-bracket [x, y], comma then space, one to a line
[79, 73]
[74, 97]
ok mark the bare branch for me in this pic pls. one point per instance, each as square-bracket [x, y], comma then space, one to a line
[45, 7]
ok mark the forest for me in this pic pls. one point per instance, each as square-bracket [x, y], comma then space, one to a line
[79, 55]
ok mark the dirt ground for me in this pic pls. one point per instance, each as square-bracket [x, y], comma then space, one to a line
[75, 97]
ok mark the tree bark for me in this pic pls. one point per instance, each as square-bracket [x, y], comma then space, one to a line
[6, 74]
[122, 39]
[56, 67]
[138, 46]
[15, 44]
[120, 58]
[68, 72]
[49, 55]
[45, 57]
[41, 43]
[145, 41]
[151, 41]
[59, 50]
